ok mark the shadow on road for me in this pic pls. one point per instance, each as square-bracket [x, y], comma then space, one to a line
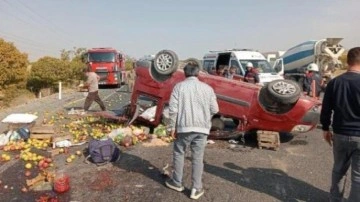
[273, 182]
[132, 163]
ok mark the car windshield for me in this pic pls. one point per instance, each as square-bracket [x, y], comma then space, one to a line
[262, 66]
[101, 57]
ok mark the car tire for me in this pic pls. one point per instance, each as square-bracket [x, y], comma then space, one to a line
[272, 106]
[283, 91]
[166, 62]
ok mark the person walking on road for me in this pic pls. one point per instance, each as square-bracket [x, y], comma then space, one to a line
[192, 105]
[92, 84]
[341, 107]
[131, 78]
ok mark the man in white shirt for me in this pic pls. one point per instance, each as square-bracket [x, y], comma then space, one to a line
[192, 105]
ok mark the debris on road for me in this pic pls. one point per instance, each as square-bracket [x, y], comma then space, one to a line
[164, 170]
[233, 142]
[54, 136]
[155, 142]
[268, 139]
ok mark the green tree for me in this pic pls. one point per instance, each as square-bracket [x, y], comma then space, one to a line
[13, 72]
[47, 72]
[13, 66]
[74, 57]
[129, 63]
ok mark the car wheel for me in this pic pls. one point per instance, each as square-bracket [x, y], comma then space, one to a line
[284, 91]
[166, 62]
[270, 105]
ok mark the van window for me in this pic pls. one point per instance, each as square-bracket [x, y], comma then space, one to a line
[262, 66]
[208, 64]
[235, 63]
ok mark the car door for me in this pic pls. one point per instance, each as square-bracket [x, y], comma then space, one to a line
[279, 66]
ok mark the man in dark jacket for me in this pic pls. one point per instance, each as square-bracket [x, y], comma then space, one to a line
[312, 75]
[341, 107]
[251, 74]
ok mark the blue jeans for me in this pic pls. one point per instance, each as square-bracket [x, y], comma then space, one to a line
[346, 152]
[197, 144]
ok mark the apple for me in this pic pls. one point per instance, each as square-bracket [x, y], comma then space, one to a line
[45, 165]
[68, 160]
[48, 160]
[41, 163]
[28, 165]
[24, 189]
[27, 173]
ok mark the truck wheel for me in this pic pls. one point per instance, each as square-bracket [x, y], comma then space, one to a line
[166, 62]
[284, 91]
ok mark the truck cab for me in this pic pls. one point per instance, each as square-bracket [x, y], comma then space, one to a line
[108, 64]
[239, 58]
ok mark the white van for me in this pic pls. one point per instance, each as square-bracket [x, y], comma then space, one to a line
[239, 58]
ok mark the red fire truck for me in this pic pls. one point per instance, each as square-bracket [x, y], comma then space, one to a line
[108, 63]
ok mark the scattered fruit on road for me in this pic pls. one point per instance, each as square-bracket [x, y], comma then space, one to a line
[69, 160]
[28, 165]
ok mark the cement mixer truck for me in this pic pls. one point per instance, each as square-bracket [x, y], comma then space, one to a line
[325, 53]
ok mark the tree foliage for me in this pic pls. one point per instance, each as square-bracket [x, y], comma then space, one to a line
[13, 65]
[129, 63]
[47, 71]
[76, 64]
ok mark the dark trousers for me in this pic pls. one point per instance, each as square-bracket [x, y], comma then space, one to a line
[93, 96]
[346, 153]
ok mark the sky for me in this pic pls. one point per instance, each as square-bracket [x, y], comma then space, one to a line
[191, 28]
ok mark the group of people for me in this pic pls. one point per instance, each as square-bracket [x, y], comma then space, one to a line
[251, 74]
[193, 103]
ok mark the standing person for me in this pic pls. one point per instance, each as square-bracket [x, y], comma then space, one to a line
[192, 105]
[311, 75]
[92, 84]
[342, 100]
[251, 74]
[231, 73]
[131, 78]
[213, 71]
[220, 71]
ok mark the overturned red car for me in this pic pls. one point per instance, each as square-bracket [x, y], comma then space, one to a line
[277, 106]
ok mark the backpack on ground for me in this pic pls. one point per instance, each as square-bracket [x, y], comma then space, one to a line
[102, 151]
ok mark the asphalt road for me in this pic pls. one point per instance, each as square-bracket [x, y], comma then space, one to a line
[299, 171]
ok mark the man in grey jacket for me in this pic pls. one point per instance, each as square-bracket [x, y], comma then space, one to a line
[192, 105]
